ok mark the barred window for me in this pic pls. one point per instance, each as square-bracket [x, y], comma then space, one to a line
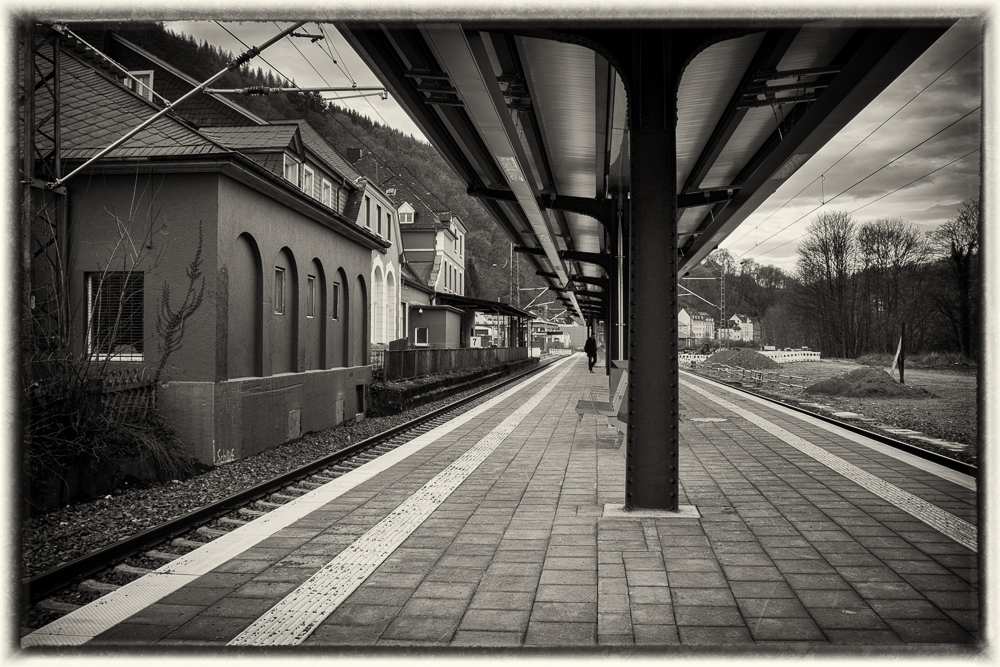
[279, 291]
[114, 315]
[310, 296]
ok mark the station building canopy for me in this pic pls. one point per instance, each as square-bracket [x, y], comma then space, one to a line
[535, 119]
[482, 305]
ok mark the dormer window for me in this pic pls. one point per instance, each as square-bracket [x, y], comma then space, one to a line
[142, 84]
[291, 170]
[327, 193]
[405, 218]
[308, 178]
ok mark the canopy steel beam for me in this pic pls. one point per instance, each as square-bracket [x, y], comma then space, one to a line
[603, 283]
[768, 55]
[880, 57]
[602, 210]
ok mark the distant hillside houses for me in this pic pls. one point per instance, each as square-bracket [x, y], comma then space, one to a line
[740, 328]
[694, 325]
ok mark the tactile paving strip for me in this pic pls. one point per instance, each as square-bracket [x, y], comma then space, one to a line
[295, 617]
[89, 621]
[944, 522]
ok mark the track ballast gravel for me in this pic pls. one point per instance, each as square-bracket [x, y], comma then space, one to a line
[65, 534]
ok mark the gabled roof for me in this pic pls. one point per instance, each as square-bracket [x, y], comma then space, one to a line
[423, 216]
[315, 142]
[410, 276]
[203, 108]
[96, 111]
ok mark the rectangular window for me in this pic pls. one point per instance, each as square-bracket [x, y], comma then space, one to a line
[378, 219]
[307, 181]
[404, 313]
[388, 226]
[327, 193]
[336, 301]
[405, 217]
[368, 213]
[310, 296]
[279, 291]
[291, 170]
[114, 315]
[420, 337]
[144, 85]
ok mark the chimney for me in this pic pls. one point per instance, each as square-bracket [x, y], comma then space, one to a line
[355, 154]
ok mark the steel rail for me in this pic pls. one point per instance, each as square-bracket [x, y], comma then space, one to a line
[934, 457]
[45, 583]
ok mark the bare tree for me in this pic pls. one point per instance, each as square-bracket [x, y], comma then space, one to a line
[956, 295]
[828, 260]
[892, 255]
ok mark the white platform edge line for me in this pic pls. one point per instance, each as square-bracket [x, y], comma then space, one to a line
[105, 612]
[298, 614]
[937, 518]
[936, 469]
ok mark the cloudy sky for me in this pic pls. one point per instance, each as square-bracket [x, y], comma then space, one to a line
[771, 234]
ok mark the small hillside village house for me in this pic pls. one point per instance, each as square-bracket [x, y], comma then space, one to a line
[694, 325]
[740, 328]
[280, 344]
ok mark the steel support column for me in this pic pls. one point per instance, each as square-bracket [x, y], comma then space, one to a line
[651, 477]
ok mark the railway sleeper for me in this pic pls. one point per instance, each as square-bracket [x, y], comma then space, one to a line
[94, 586]
[211, 533]
[231, 523]
[265, 505]
[252, 513]
[162, 555]
[182, 542]
[283, 497]
[131, 570]
[310, 485]
[57, 606]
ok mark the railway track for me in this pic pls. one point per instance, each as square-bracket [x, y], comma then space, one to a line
[65, 588]
[940, 459]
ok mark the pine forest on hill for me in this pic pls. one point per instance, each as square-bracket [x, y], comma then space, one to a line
[416, 163]
[854, 284]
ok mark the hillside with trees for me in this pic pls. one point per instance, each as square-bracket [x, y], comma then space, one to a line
[414, 162]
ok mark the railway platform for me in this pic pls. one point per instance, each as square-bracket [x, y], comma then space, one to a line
[504, 528]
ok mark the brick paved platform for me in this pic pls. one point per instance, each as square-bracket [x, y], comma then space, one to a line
[493, 533]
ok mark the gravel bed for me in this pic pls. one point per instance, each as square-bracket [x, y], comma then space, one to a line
[65, 534]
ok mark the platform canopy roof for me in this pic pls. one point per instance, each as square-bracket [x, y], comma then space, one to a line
[535, 122]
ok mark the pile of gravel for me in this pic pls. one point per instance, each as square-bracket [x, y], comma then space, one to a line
[75, 530]
[744, 358]
[868, 382]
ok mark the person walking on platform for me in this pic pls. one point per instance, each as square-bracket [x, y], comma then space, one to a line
[590, 347]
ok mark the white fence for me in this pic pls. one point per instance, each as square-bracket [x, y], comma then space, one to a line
[786, 356]
[780, 356]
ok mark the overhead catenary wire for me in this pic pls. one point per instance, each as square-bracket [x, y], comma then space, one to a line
[950, 125]
[349, 131]
[238, 62]
[901, 187]
[863, 140]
